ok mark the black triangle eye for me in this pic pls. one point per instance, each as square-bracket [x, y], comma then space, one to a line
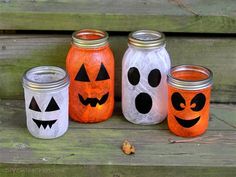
[52, 106]
[199, 100]
[82, 75]
[102, 74]
[33, 105]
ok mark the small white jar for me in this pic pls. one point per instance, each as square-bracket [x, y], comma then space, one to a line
[46, 101]
[145, 66]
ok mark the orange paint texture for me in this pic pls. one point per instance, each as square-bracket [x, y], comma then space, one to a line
[91, 91]
[188, 109]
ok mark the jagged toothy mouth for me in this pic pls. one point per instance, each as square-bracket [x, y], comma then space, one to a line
[187, 123]
[93, 101]
[44, 123]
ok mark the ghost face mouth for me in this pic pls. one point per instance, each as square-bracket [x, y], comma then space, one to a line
[93, 101]
[187, 123]
[44, 123]
[143, 103]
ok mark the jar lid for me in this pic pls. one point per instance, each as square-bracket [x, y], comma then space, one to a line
[90, 38]
[147, 39]
[45, 78]
[190, 77]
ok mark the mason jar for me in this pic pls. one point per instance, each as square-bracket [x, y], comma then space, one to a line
[189, 91]
[90, 64]
[46, 101]
[145, 66]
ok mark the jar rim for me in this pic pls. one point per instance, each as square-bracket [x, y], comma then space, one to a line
[34, 84]
[101, 40]
[148, 39]
[190, 84]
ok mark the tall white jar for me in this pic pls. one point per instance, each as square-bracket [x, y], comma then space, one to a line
[46, 101]
[145, 66]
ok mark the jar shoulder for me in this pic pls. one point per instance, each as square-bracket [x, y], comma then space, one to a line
[76, 53]
[145, 57]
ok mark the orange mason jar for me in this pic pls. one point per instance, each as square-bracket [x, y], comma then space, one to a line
[90, 65]
[189, 90]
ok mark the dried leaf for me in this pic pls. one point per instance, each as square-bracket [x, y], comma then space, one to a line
[128, 148]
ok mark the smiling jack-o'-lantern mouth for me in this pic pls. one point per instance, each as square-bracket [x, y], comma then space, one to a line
[187, 123]
[93, 101]
[44, 123]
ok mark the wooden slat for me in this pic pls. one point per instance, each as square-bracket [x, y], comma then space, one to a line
[123, 15]
[7, 170]
[95, 149]
[117, 122]
[20, 52]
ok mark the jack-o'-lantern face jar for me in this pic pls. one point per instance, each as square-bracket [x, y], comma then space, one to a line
[90, 65]
[46, 101]
[189, 89]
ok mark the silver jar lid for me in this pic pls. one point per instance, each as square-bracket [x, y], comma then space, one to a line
[147, 39]
[190, 84]
[45, 78]
[80, 38]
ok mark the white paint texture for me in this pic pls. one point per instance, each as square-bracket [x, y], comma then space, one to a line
[145, 60]
[43, 99]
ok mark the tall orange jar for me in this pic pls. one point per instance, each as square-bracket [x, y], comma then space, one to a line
[90, 64]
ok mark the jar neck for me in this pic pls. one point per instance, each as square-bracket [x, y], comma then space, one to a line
[147, 49]
[90, 48]
[190, 77]
[90, 38]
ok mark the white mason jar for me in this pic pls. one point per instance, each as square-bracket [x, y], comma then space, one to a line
[145, 66]
[46, 101]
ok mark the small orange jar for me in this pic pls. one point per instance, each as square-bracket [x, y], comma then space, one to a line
[90, 64]
[189, 90]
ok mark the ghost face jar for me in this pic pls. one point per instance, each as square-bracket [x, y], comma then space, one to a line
[144, 71]
[46, 101]
[90, 64]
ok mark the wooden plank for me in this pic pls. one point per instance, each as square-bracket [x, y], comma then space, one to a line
[7, 170]
[20, 52]
[96, 149]
[123, 15]
[14, 110]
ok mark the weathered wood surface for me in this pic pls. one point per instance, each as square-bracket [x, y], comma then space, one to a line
[124, 15]
[20, 52]
[94, 149]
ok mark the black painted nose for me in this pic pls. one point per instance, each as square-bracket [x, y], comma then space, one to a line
[143, 103]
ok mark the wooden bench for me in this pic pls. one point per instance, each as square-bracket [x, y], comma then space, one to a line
[38, 32]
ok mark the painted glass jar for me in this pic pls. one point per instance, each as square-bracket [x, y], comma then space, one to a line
[46, 101]
[145, 66]
[90, 64]
[189, 90]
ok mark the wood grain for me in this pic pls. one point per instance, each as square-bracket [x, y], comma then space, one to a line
[9, 170]
[95, 148]
[202, 16]
[20, 52]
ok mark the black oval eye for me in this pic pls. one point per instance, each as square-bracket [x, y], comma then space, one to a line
[102, 74]
[133, 76]
[176, 100]
[34, 106]
[82, 75]
[199, 101]
[52, 106]
[154, 78]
